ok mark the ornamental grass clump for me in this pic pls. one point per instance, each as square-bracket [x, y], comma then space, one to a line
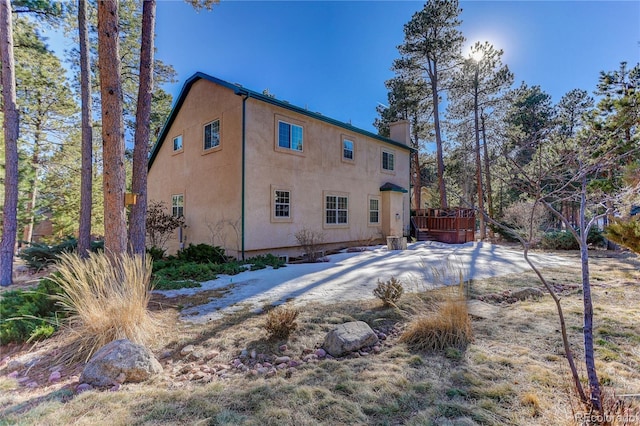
[448, 327]
[106, 298]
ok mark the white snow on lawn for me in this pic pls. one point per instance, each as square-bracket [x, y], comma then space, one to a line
[353, 276]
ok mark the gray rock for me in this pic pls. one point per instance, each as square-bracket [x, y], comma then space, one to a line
[83, 387]
[282, 359]
[120, 357]
[14, 365]
[187, 350]
[349, 337]
[55, 376]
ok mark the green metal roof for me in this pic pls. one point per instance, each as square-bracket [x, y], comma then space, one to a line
[239, 90]
[392, 187]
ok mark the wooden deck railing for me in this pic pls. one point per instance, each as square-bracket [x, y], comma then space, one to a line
[446, 225]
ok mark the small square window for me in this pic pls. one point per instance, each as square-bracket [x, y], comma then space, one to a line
[177, 143]
[212, 134]
[388, 161]
[347, 149]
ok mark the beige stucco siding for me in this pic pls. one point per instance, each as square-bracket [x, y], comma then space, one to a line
[209, 180]
[317, 171]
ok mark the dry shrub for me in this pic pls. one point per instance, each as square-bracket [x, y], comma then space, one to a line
[310, 242]
[616, 410]
[106, 297]
[389, 291]
[281, 321]
[448, 326]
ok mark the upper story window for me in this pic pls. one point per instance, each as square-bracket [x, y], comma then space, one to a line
[388, 161]
[336, 210]
[282, 204]
[290, 136]
[177, 205]
[347, 149]
[177, 143]
[212, 134]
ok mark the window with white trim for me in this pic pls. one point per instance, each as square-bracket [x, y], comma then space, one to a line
[290, 136]
[336, 210]
[282, 204]
[177, 143]
[388, 161]
[374, 211]
[177, 205]
[347, 149]
[212, 134]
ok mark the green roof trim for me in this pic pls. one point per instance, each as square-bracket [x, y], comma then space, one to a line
[392, 187]
[239, 90]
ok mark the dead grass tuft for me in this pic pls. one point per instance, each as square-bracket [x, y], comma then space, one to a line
[281, 321]
[106, 298]
[448, 326]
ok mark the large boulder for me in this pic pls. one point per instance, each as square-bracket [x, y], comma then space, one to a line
[118, 362]
[349, 337]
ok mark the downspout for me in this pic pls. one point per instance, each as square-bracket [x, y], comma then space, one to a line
[242, 213]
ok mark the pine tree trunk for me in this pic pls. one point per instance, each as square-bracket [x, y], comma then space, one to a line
[11, 129]
[33, 194]
[439, 152]
[31, 207]
[86, 176]
[415, 180]
[115, 223]
[478, 161]
[487, 169]
[137, 219]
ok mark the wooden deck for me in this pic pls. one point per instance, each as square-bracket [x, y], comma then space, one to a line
[453, 226]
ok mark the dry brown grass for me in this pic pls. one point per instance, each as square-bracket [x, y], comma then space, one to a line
[106, 298]
[448, 326]
[513, 373]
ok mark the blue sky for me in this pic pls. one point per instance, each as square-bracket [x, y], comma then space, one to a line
[334, 57]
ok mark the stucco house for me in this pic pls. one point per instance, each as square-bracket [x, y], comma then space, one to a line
[249, 171]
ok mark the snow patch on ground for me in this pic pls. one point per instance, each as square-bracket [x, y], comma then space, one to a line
[353, 276]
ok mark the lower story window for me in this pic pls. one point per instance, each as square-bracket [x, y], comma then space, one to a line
[177, 205]
[374, 210]
[282, 204]
[337, 210]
